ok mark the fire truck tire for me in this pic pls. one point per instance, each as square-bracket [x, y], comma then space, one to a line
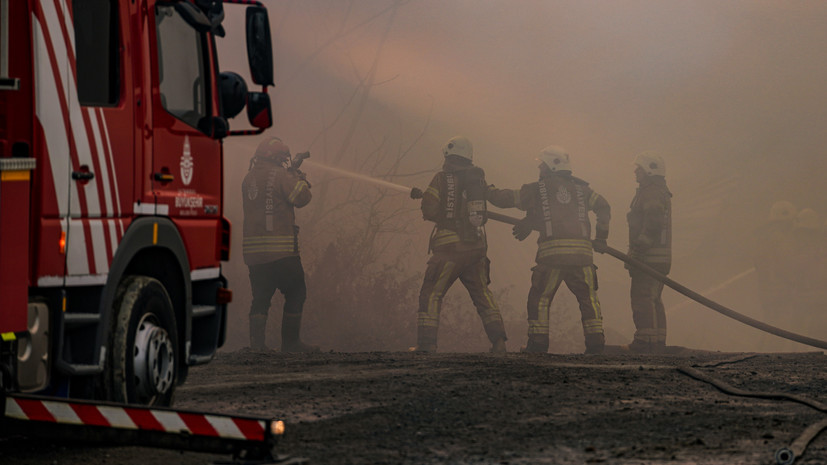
[144, 344]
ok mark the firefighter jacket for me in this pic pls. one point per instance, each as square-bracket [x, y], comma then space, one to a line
[558, 206]
[271, 192]
[650, 222]
[455, 201]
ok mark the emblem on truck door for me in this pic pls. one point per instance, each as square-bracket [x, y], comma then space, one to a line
[186, 162]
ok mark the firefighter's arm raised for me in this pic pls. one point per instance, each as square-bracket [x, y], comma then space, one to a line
[503, 198]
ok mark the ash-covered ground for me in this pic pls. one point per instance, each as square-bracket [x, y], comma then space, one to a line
[516, 408]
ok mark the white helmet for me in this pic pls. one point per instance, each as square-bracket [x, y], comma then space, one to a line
[459, 146]
[782, 211]
[652, 163]
[556, 158]
[807, 219]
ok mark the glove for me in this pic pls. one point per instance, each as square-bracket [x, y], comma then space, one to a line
[599, 242]
[303, 177]
[522, 229]
[416, 193]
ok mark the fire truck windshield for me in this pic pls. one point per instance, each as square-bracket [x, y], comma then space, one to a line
[181, 66]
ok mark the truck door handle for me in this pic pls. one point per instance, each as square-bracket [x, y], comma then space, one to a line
[83, 174]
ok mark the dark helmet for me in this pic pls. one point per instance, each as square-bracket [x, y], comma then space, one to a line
[273, 148]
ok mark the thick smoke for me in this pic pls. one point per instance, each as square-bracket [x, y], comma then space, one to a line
[731, 93]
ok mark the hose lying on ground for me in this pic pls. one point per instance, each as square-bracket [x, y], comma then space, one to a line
[690, 293]
[726, 388]
[785, 455]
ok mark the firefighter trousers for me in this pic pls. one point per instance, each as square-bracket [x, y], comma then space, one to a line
[286, 275]
[472, 269]
[648, 312]
[582, 282]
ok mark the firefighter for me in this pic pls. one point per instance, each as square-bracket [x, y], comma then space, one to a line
[650, 241]
[271, 191]
[807, 268]
[773, 249]
[557, 206]
[455, 202]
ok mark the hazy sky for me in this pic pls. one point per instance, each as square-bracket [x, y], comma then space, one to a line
[731, 92]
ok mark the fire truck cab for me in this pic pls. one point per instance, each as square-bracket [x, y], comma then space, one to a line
[112, 234]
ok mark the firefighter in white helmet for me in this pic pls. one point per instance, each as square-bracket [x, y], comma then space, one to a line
[807, 271]
[455, 202]
[271, 191]
[773, 247]
[557, 206]
[650, 241]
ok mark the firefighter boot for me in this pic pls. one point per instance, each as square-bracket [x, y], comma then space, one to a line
[639, 346]
[290, 342]
[496, 334]
[425, 339]
[595, 343]
[537, 344]
[498, 346]
[258, 324]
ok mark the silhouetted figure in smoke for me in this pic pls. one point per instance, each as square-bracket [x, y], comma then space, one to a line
[557, 206]
[773, 252]
[650, 241]
[271, 191]
[808, 261]
[455, 201]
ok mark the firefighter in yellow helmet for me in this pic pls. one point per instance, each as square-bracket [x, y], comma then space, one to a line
[650, 241]
[455, 202]
[271, 191]
[557, 206]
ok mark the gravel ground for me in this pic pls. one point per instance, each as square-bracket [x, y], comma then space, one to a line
[455, 408]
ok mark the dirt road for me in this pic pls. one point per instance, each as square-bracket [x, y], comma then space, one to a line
[513, 409]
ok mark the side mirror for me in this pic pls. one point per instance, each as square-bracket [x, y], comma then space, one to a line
[233, 91]
[259, 47]
[259, 112]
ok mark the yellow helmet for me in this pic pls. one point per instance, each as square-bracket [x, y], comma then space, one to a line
[782, 211]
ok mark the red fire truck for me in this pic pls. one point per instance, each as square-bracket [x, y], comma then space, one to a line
[112, 234]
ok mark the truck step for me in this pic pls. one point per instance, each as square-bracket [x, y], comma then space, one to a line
[200, 311]
[80, 319]
[248, 438]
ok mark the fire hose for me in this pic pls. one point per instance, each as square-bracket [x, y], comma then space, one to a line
[784, 455]
[690, 293]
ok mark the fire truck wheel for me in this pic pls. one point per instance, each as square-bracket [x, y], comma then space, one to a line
[145, 343]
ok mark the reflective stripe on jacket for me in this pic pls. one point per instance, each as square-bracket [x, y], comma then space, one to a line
[270, 193]
[446, 203]
[558, 206]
